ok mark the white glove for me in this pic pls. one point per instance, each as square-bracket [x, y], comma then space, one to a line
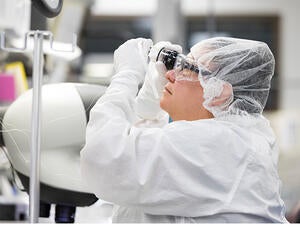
[149, 96]
[131, 57]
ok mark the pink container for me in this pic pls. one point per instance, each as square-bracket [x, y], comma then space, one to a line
[7, 88]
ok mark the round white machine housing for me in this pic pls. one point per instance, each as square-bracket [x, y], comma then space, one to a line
[65, 112]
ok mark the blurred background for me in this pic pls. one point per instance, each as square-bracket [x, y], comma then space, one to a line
[102, 25]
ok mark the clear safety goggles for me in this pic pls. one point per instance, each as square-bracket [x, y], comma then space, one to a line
[185, 68]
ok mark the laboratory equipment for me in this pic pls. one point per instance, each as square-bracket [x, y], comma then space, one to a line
[38, 63]
[174, 60]
[65, 112]
[38, 39]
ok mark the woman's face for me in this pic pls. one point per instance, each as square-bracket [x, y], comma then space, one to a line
[183, 98]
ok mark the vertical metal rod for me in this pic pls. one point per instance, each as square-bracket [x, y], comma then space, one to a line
[34, 191]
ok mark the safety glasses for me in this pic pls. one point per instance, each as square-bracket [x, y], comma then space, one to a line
[187, 69]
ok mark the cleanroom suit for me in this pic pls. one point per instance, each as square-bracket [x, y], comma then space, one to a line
[211, 170]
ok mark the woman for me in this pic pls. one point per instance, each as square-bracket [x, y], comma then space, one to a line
[217, 160]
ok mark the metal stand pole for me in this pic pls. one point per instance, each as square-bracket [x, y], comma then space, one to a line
[34, 189]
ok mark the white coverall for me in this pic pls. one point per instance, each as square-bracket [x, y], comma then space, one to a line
[211, 170]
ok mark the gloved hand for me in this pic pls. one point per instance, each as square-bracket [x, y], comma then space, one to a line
[147, 101]
[131, 57]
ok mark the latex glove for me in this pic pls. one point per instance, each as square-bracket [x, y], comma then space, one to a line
[147, 101]
[132, 56]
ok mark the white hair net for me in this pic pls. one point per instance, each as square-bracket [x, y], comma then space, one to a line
[235, 74]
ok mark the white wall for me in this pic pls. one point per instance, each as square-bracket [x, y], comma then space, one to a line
[124, 7]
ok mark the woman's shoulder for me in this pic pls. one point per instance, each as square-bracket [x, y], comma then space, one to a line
[228, 128]
[204, 125]
[208, 130]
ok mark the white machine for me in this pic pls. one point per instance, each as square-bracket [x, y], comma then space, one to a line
[65, 114]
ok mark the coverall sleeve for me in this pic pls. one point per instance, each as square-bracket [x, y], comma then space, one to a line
[153, 169]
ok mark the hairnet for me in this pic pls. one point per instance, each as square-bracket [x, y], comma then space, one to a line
[235, 74]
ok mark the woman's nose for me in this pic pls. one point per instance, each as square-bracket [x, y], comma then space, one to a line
[170, 75]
